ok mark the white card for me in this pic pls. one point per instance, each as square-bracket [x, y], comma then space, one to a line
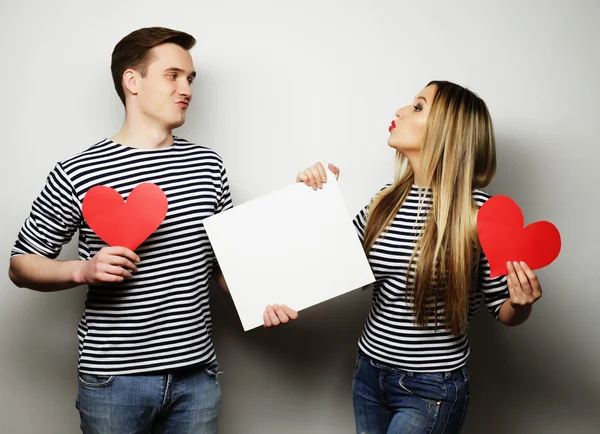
[295, 246]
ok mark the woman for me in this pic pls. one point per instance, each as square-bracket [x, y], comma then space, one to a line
[421, 240]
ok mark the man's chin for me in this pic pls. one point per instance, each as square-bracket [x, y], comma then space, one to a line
[176, 124]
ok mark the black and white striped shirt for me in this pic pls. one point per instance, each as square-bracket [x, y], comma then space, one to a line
[160, 318]
[390, 334]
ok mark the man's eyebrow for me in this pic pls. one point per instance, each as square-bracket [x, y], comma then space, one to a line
[192, 74]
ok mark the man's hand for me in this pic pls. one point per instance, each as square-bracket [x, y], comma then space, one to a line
[109, 265]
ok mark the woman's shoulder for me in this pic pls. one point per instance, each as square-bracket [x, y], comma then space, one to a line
[480, 197]
[381, 190]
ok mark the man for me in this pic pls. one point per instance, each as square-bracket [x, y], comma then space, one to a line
[146, 359]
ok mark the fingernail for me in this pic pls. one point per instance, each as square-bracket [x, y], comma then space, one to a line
[516, 264]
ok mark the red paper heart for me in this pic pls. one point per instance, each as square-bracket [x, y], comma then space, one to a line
[125, 224]
[503, 238]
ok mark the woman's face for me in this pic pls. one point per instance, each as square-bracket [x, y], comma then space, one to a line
[408, 129]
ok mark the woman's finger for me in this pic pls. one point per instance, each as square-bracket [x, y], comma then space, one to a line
[316, 174]
[311, 179]
[536, 288]
[335, 170]
[281, 314]
[302, 177]
[322, 172]
[266, 319]
[523, 280]
[291, 313]
[272, 316]
[514, 287]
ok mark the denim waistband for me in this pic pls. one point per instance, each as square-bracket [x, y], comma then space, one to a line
[462, 370]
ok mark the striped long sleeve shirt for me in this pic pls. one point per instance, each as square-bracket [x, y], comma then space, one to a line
[160, 318]
[390, 334]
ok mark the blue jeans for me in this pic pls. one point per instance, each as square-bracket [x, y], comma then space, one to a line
[389, 400]
[183, 401]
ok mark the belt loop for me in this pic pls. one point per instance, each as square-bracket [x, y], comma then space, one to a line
[447, 375]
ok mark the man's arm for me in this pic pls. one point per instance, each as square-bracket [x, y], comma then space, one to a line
[109, 265]
[43, 274]
[220, 279]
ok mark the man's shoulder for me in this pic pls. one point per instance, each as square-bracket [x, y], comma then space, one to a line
[89, 155]
[186, 145]
[106, 155]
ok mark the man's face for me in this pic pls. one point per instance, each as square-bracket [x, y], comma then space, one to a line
[165, 92]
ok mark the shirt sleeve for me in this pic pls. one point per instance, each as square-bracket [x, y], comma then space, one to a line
[495, 290]
[360, 221]
[224, 202]
[55, 216]
[225, 196]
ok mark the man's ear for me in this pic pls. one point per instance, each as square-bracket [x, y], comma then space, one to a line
[131, 81]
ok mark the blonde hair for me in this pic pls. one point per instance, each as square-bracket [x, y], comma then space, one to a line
[458, 154]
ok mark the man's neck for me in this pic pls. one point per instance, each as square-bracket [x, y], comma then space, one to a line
[143, 134]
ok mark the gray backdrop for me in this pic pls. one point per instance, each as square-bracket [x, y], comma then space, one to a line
[281, 85]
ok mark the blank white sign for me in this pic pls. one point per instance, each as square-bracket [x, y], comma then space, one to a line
[296, 247]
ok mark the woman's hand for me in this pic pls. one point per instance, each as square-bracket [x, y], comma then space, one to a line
[275, 315]
[523, 286]
[315, 175]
